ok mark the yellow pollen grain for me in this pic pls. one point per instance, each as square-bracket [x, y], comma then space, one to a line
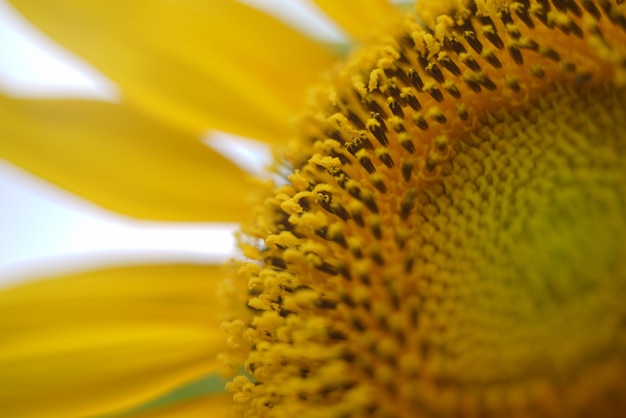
[449, 241]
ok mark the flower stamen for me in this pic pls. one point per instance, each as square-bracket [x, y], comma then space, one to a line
[450, 237]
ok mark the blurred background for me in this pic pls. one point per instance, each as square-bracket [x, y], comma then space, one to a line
[43, 229]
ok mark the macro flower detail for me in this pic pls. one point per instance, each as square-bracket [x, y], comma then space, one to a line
[449, 237]
[443, 236]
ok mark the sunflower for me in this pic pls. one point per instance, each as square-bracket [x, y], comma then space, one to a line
[443, 236]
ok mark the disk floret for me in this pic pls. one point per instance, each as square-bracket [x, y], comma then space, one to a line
[449, 236]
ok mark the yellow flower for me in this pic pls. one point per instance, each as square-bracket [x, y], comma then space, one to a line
[446, 239]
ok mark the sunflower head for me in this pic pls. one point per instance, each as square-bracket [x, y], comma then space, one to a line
[449, 237]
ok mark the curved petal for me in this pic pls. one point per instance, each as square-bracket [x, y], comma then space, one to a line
[194, 63]
[357, 17]
[102, 341]
[119, 159]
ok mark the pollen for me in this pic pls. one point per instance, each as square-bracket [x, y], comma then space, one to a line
[449, 236]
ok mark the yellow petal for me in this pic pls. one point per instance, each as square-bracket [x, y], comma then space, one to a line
[358, 18]
[119, 159]
[195, 63]
[106, 340]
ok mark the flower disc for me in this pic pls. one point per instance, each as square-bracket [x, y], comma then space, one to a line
[450, 237]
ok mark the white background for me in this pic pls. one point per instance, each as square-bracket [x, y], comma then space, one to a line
[44, 229]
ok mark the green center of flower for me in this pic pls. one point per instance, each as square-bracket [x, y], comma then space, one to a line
[450, 237]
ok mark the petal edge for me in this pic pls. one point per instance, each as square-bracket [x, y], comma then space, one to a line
[100, 341]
